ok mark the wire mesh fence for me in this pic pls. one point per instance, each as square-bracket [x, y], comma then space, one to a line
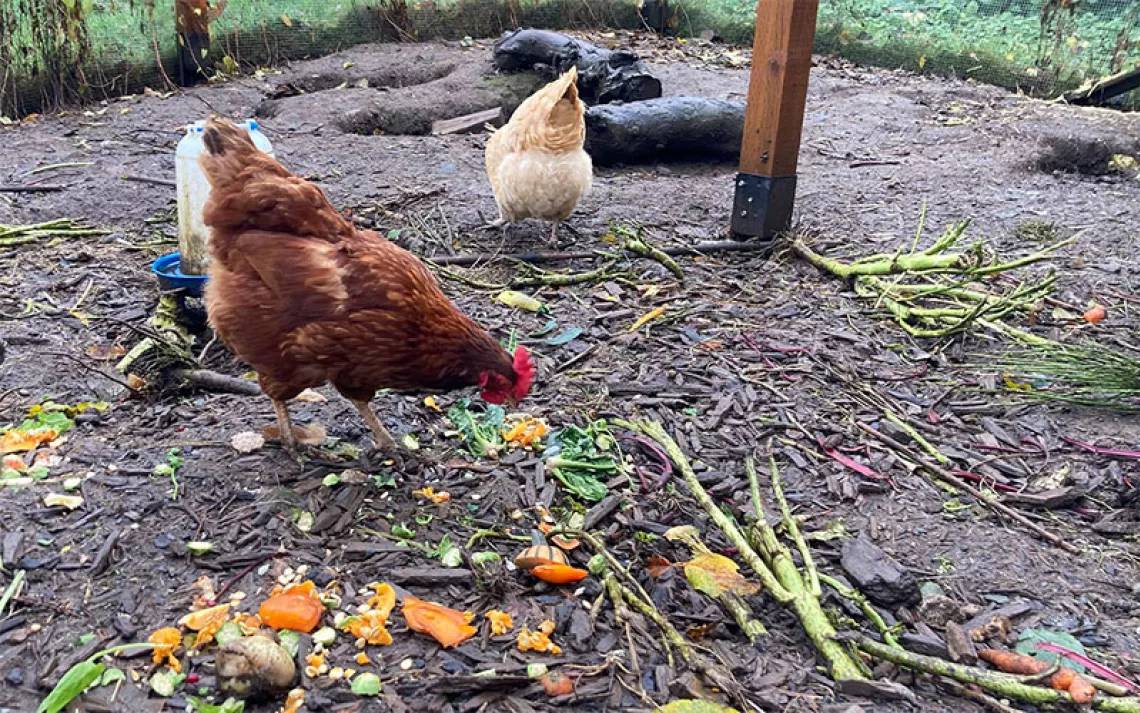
[54, 52]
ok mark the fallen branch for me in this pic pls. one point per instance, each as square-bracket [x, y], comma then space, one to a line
[768, 558]
[948, 478]
[11, 235]
[699, 249]
[634, 241]
[938, 300]
[1001, 683]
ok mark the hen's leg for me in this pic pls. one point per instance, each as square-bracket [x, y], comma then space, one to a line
[285, 425]
[554, 233]
[380, 435]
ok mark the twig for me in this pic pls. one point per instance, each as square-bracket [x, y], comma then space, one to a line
[54, 166]
[705, 248]
[213, 381]
[639, 245]
[23, 188]
[716, 675]
[947, 477]
[238, 577]
[917, 437]
[723, 521]
[779, 573]
[13, 588]
[103, 556]
[147, 179]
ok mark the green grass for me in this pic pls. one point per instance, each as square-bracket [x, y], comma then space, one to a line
[997, 41]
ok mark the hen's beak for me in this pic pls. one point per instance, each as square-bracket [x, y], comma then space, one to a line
[512, 402]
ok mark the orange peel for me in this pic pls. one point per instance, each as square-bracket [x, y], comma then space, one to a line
[447, 626]
[168, 640]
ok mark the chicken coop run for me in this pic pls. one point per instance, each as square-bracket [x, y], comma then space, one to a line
[56, 51]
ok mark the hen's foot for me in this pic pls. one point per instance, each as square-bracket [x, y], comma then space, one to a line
[497, 224]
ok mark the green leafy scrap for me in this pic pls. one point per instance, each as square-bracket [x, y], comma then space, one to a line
[579, 457]
[482, 432]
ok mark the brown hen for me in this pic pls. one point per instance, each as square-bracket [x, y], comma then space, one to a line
[306, 298]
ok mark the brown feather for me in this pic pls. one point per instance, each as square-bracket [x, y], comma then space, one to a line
[305, 298]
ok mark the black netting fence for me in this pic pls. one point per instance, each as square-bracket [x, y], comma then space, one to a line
[59, 51]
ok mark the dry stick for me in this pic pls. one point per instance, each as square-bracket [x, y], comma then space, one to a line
[1001, 683]
[153, 181]
[918, 437]
[623, 616]
[54, 166]
[20, 188]
[103, 557]
[715, 246]
[213, 381]
[948, 478]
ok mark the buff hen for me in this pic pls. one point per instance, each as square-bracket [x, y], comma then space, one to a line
[306, 298]
[537, 164]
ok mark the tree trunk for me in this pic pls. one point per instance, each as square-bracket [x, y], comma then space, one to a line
[603, 75]
[666, 129]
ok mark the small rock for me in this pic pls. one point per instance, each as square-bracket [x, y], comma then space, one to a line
[15, 677]
[125, 626]
[877, 575]
[162, 541]
[30, 563]
[959, 645]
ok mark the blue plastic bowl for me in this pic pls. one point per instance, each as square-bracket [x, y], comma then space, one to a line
[170, 277]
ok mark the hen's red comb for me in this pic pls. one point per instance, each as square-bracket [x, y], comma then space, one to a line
[524, 372]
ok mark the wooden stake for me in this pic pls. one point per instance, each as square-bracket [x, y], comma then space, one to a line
[774, 117]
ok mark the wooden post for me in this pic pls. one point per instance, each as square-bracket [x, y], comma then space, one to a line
[774, 117]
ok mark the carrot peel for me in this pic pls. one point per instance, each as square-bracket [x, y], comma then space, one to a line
[1065, 679]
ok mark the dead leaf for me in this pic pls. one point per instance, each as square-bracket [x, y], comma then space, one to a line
[658, 566]
[646, 318]
[105, 352]
[311, 396]
[71, 502]
[715, 574]
[287, 22]
[695, 707]
[313, 434]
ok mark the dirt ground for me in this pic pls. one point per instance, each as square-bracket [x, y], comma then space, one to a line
[750, 346]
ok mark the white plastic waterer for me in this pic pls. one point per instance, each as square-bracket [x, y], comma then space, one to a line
[193, 190]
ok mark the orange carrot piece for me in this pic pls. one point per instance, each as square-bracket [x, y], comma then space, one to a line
[1066, 679]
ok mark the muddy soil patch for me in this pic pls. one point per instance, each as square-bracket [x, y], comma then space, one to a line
[748, 349]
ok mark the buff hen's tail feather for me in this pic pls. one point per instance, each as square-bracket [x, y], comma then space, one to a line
[553, 118]
[250, 190]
